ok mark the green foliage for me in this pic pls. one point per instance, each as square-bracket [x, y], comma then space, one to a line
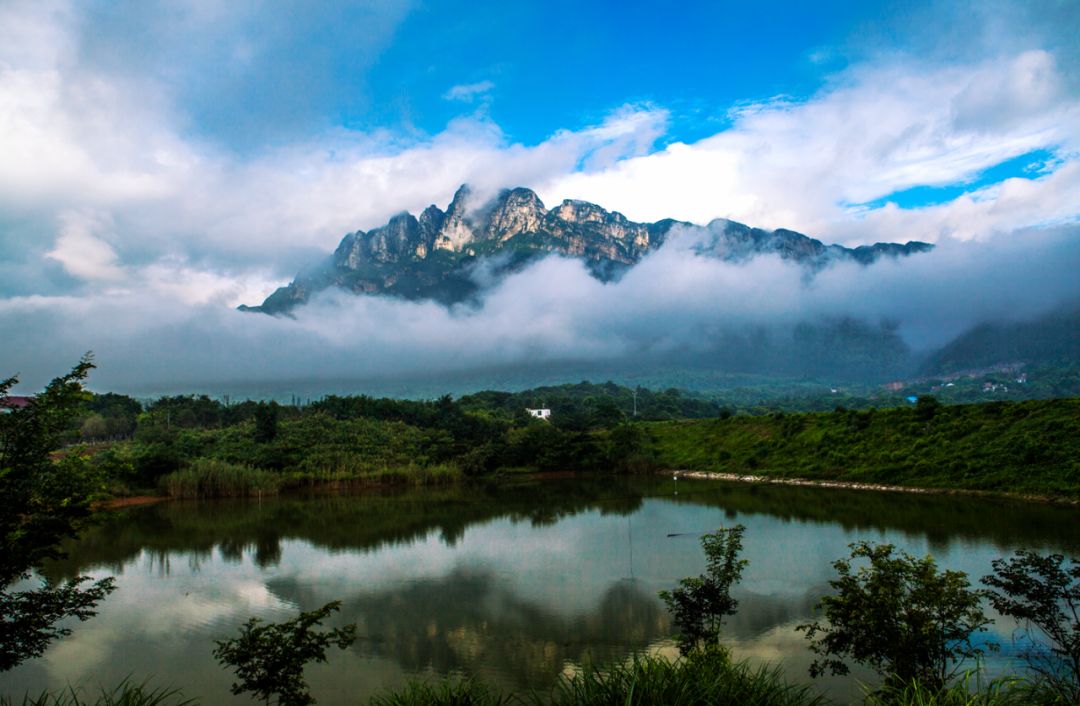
[266, 422]
[269, 659]
[627, 450]
[1030, 448]
[449, 692]
[926, 406]
[1044, 596]
[211, 478]
[700, 604]
[586, 405]
[125, 694]
[967, 691]
[704, 678]
[44, 502]
[897, 615]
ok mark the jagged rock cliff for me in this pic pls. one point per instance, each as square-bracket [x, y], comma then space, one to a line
[433, 256]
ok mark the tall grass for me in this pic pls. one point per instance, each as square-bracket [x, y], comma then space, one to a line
[703, 678]
[449, 692]
[212, 478]
[125, 694]
[968, 691]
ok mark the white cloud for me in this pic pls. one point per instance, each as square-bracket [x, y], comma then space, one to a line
[673, 303]
[166, 232]
[469, 92]
[80, 250]
[877, 130]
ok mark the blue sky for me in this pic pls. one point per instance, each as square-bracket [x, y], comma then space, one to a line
[259, 73]
[186, 156]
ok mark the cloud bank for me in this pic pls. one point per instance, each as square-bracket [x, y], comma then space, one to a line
[127, 231]
[673, 305]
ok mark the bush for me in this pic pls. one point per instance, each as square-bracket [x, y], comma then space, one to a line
[1044, 596]
[700, 604]
[899, 616]
[269, 659]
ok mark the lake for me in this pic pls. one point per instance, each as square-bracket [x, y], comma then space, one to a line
[515, 582]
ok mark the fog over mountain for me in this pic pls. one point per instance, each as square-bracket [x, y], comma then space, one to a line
[452, 256]
[676, 306]
[162, 164]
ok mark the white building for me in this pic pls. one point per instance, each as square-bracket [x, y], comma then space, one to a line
[539, 413]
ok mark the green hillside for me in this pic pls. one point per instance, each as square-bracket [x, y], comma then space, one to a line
[1024, 447]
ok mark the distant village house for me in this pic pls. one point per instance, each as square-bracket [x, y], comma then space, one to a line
[12, 402]
[539, 413]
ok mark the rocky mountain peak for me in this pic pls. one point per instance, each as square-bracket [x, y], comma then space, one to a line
[456, 232]
[399, 258]
[515, 211]
[573, 211]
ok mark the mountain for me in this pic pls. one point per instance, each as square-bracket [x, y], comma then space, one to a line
[436, 255]
[1050, 339]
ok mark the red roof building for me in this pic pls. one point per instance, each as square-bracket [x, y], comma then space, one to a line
[14, 402]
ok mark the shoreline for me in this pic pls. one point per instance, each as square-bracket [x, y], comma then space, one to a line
[353, 484]
[879, 487]
[129, 501]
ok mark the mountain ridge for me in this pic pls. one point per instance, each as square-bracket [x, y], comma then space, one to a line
[434, 255]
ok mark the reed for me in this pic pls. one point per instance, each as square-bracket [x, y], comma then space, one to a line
[212, 478]
[124, 694]
[448, 692]
[970, 690]
[703, 678]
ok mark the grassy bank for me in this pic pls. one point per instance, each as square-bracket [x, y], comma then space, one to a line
[1027, 448]
[1023, 448]
[702, 680]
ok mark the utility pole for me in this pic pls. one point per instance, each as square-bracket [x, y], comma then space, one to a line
[634, 392]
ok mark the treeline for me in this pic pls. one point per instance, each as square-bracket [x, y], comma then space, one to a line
[580, 407]
[1030, 447]
[191, 444]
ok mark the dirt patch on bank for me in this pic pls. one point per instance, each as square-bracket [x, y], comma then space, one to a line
[132, 501]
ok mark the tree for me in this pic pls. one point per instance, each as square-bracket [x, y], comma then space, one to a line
[94, 428]
[266, 422]
[899, 615]
[926, 407]
[1040, 593]
[44, 502]
[269, 659]
[700, 604]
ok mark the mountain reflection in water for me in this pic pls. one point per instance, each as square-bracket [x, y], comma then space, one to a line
[516, 583]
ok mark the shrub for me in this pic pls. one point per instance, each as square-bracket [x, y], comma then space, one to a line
[899, 616]
[269, 659]
[700, 604]
[1044, 596]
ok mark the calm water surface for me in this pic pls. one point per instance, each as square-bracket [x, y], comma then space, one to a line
[514, 583]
